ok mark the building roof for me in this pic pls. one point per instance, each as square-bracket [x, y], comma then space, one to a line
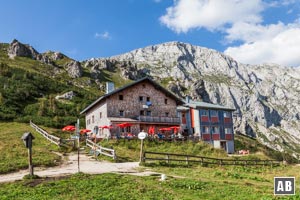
[167, 92]
[121, 119]
[201, 104]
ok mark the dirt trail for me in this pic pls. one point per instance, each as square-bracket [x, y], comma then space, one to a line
[87, 165]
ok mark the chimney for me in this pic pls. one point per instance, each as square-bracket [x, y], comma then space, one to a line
[110, 86]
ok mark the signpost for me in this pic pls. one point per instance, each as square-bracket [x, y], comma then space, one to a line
[78, 145]
[27, 139]
[142, 135]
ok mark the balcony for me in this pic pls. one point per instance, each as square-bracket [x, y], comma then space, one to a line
[170, 120]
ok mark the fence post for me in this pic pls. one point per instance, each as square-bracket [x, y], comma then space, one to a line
[187, 160]
[168, 157]
[220, 162]
[144, 157]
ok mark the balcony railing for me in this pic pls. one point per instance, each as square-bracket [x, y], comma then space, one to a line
[172, 120]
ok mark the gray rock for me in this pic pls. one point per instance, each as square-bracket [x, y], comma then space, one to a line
[23, 50]
[74, 69]
[67, 95]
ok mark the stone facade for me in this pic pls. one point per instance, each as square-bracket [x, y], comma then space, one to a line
[143, 103]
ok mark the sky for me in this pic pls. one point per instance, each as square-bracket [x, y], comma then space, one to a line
[250, 31]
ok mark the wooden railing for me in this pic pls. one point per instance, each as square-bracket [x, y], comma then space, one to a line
[54, 139]
[188, 159]
[51, 138]
[101, 150]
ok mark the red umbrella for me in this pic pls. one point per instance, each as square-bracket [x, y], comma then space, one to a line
[151, 130]
[69, 128]
[123, 125]
[82, 131]
[165, 129]
[175, 128]
[105, 126]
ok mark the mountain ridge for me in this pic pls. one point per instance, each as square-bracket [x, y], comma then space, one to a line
[265, 96]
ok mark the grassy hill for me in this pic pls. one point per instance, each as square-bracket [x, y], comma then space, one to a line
[14, 155]
[28, 89]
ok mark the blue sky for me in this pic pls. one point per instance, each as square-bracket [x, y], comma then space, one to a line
[251, 31]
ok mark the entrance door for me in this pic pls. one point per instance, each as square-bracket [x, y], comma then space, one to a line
[223, 145]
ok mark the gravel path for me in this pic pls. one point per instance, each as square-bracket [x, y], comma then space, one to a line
[87, 165]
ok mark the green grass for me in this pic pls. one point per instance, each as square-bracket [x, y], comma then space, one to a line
[14, 154]
[129, 150]
[182, 183]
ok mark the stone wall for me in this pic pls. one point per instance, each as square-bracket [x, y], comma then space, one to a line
[132, 106]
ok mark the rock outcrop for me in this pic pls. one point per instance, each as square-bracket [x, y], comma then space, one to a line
[74, 69]
[67, 95]
[266, 97]
[23, 50]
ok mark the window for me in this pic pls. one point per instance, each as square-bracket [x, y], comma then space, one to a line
[205, 129]
[166, 101]
[148, 113]
[142, 112]
[228, 131]
[214, 113]
[148, 98]
[100, 115]
[167, 114]
[121, 97]
[144, 86]
[141, 98]
[226, 114]
[204, 112]
[88, 122]
[215, 129]
[121, 113]
[93, 119]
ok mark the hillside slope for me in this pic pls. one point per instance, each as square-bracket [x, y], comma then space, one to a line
[266, 97]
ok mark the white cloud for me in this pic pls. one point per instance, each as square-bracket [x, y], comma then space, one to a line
[282, 48]
[240, 20]
[213, 14]
[105, 35]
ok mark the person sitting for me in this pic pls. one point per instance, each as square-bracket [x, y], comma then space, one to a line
[160, 136]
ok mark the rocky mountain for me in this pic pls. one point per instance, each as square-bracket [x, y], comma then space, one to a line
[266, 97]
[17, 48]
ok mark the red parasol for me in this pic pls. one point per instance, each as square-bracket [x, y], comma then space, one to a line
[175, 128]
[82, 131]
[105, 127]
[123, 125]
[69, 128]
[151, 130]
[165, 129]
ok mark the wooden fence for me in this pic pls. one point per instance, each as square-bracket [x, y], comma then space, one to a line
[188, 159]
[101, 150]
[56, 140]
